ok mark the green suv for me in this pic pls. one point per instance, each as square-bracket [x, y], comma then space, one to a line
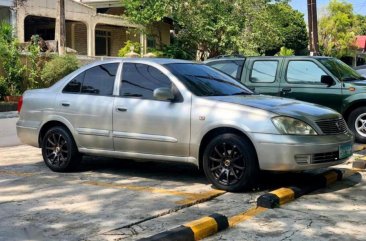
[321, 80]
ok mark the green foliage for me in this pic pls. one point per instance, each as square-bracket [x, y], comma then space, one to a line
[360, 24]
[10, 61]
[57, 68]
[34, 65]
[286, 52]
[338, 30]
[127, 48]
[224, 27]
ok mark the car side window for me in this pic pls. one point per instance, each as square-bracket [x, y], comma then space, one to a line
[264, 71]
[140, 80]
[304, 72]
[74, 86]
[99, 80]
[228, 67]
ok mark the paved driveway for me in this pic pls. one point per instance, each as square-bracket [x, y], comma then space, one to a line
[111, 199]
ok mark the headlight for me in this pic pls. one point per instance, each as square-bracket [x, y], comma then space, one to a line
[291, 126]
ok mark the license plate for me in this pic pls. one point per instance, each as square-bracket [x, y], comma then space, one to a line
[345, 150]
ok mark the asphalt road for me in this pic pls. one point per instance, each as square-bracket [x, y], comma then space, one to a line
[8, 134]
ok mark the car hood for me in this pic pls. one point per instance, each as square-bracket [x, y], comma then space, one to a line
[357, 82]
[281, 106]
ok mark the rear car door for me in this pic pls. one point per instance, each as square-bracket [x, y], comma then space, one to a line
[302, 81]
[87, 103]
[262, 75]
[142, 124]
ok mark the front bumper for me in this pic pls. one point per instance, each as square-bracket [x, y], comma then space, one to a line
[296, 153]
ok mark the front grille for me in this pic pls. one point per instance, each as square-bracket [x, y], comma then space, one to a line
[333, 126]
[325, 157]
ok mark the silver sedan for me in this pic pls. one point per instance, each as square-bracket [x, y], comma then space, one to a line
[174, 110]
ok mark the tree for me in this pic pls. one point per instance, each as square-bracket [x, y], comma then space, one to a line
[338, 30]
[217, 26]
[290, 25]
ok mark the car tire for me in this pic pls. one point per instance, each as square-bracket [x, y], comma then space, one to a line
[230, 163]
[357, 124]
[59, 150]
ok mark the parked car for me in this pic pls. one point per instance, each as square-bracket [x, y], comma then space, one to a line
[361, 70]
[320, 80]
[174, 110]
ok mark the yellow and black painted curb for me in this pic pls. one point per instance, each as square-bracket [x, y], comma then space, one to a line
[284, 195]
[194, 230]
[210, 225]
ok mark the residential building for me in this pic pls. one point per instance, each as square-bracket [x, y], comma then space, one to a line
[93, 27]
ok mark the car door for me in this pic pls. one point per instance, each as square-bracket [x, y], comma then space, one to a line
[87, 103]
[142, 124]
[302, 81]
[262, 75]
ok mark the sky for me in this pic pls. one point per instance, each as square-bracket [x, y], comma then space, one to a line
[359, 6]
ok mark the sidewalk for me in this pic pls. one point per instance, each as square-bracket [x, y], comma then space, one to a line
[8, 114]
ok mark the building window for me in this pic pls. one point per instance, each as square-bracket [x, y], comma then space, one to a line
[151, 42]
[102, 43]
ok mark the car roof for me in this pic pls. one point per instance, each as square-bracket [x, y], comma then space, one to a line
[283, 57]
[144, 60]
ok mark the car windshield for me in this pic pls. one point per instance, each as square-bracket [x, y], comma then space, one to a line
[341, 70]
[202, 80]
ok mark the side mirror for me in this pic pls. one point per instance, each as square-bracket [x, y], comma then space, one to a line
[327, 80]
[163, 94]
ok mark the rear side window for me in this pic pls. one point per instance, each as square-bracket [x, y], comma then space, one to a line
[98, 80]
[140, 80]
[304, 72]
[264, 71]
[74, 86]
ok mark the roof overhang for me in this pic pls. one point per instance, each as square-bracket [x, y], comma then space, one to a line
[102, 4]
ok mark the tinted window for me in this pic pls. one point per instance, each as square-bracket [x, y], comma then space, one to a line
[140, 80]
[99, 80]
[264, 71]
[228, 67]
[305, 72]
[74, 86]
[202, 80]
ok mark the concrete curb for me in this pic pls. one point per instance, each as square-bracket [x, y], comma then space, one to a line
[210, 225]
[8, 114]
[284, 195]
[194, 230]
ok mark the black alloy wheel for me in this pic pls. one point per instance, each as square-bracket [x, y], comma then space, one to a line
[59, 150]
[230, 163]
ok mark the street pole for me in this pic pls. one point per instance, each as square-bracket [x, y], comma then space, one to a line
[313, 27]
[60, 27]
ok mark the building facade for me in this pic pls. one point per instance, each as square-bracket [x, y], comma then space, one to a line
[93, 27]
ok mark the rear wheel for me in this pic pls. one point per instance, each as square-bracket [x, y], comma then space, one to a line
[230, 163]
[59, 150]
[357, 124]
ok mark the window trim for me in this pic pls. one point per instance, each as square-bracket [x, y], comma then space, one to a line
[302, 83]
[266, 60]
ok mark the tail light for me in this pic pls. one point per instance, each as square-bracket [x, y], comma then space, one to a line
[20, 103]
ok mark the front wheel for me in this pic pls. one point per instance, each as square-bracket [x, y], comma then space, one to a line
[230, 163]
[357, 124]
[59, 150]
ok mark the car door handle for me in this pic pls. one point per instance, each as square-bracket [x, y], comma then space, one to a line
[121, 109]
[65, 104]
[286, 90]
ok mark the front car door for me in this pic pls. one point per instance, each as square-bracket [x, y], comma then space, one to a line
[87, 102]
[144, 125]
[302, 81]
[262, 75]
